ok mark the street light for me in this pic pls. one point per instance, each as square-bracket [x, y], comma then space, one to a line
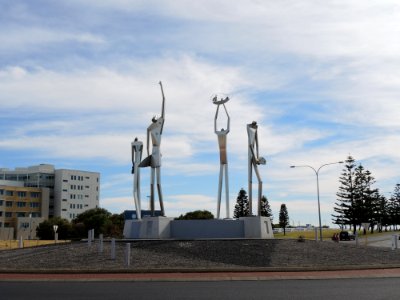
[317, 173]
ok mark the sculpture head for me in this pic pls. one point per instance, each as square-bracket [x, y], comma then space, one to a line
[135, 139]
[253, 125]
[154, 119]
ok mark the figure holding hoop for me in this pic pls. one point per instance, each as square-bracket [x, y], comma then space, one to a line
[222, 142]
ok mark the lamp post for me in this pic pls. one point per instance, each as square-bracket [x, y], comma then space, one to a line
[317, 174]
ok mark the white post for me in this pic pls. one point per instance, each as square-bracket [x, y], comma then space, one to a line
[356, 238]
[393, 241]
[316, 233]
[396, 243]
[92, 235]
[127, 254]
[101, 243]
[21, 242]
[112, 248]
[89, 239]
[56, 237]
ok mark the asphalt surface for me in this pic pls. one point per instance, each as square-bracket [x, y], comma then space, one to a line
[382, 288]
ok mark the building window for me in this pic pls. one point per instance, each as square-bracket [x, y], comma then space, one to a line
[24, 225]
[1, 213]
[8, 214]
[21, 204]
[35, 195]
[1, 202]
[9, 203]
[1, 192]
[21, 194]
[20, 214]
[9, 193]
[34, 204]
[65, 180]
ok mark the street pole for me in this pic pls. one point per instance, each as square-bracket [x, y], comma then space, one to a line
[317, 175]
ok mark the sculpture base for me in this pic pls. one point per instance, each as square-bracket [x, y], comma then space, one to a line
[148, 228]
[168, 228]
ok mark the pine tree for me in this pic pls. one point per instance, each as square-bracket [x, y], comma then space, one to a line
[383, 216]
[367, 197]
[283, 218]
[345, 205]
[242, 207]
[394, 207]
[266, 208]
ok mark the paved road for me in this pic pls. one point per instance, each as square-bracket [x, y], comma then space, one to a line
[327, 289]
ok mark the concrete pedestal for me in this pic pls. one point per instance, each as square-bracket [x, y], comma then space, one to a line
[167, 228]
[148, 228]
[257, 227]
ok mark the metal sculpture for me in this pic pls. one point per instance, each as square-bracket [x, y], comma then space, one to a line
[222, 142]
[137, 149]
[154, 160]
[254, 161]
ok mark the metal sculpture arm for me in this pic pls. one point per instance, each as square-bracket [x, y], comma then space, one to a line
[256, 142]
[216, 117]
[162, 107]
[148, 141]
[215, 120]
[229, 119]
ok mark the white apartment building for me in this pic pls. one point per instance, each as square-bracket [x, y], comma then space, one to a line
[71, 191]
[75, 192]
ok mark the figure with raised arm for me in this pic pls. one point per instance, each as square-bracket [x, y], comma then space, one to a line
[154, 131]
[137, 149]
[222, 142]
[253, 162]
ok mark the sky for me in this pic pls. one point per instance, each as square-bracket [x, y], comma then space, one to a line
[79, 81]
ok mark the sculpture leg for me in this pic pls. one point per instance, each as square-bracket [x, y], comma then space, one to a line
[160, 196]
[227, 190]
[219, 190]
[152, 191]
[259, 188]
[139, 209]
[250, 179]
[136, 195]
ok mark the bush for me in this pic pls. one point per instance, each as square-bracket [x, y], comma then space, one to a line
[196, 215]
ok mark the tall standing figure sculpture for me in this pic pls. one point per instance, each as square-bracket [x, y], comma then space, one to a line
[137, 149]
[154, 160]
[254, 161]
[222, 142]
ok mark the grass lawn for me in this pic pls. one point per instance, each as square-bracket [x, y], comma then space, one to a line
[326, 234]
[13, 244]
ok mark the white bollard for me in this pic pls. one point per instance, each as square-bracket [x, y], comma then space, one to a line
[356, 238]
[92, 233]
[100, 243]
[112, 248]
[393, 241]
[56, 238]
[21, 242]
[89, 238]
[396, 241]
[127, 254]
